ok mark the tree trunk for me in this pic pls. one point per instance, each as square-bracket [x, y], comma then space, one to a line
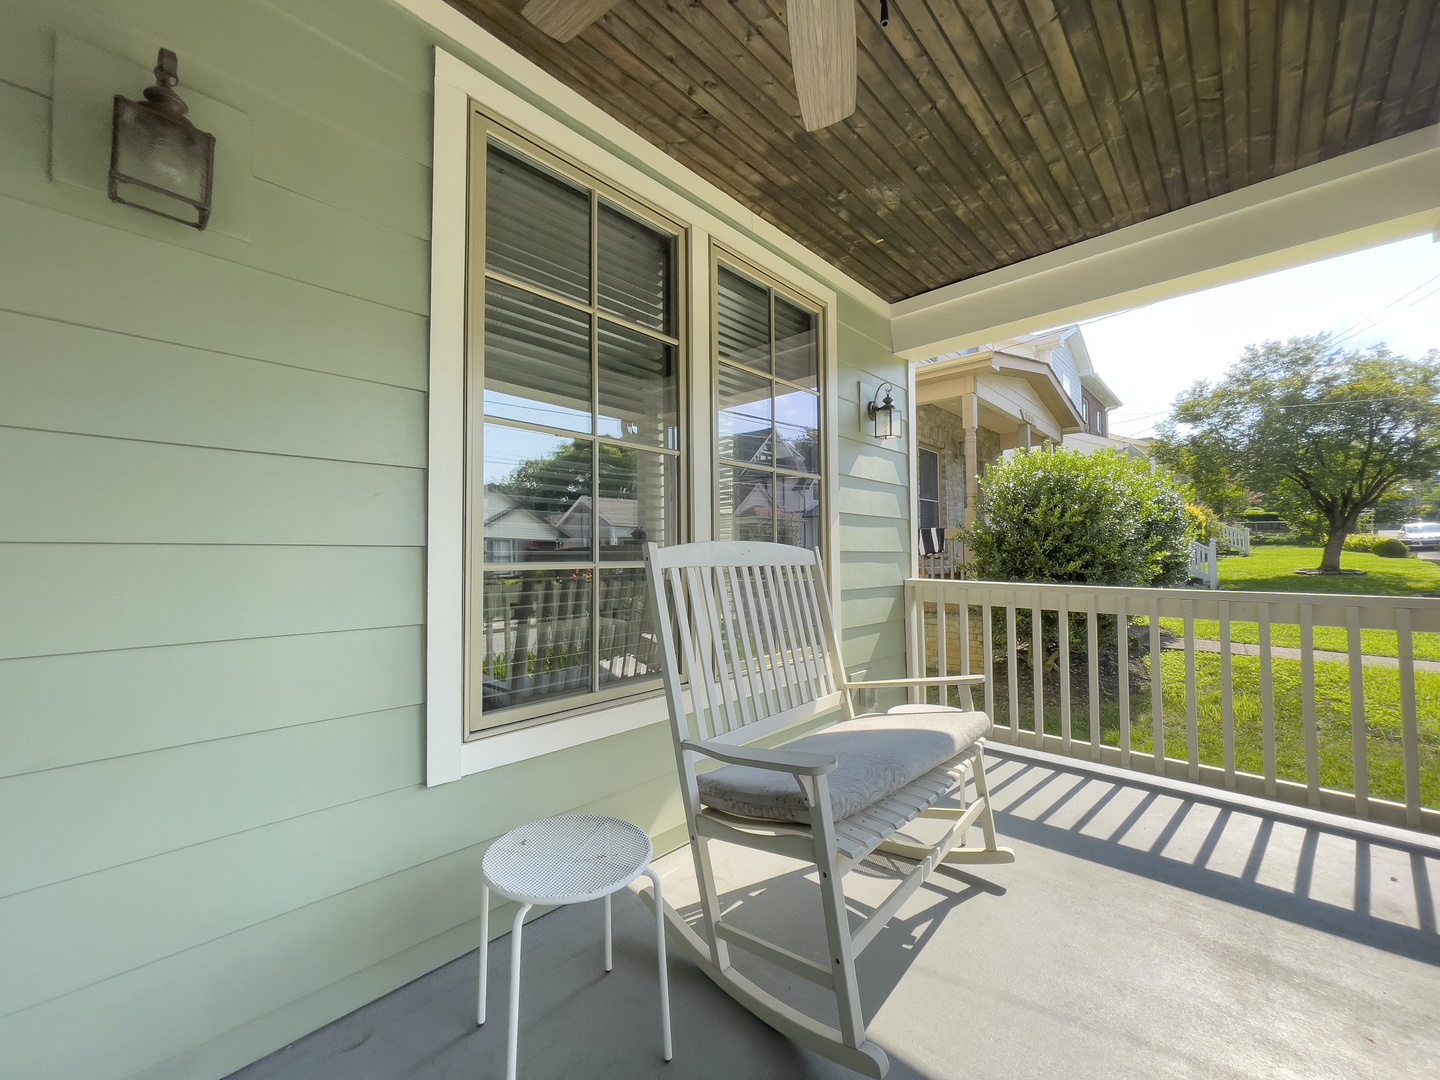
[1334, 545]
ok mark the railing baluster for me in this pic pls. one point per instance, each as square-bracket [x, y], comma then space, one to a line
[1409, 717]
[1267, 701]
[1062, 620]
[1157, 690]
[1010, 668]
[1122, 648]
[1307, 704]
[942, 647]
[1227, 694]
[966, 695]
[1037, 670]
[1192, 696]
[1359, 731]
[1092, 642]
[987, 645]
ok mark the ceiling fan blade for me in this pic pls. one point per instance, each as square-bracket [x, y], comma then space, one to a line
[563, 19]
[822, 52]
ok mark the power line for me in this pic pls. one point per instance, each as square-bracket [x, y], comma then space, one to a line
[1369, 321]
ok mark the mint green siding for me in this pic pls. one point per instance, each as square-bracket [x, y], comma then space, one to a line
[214, 834]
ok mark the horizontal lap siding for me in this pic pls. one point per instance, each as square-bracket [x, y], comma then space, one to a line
[213, 831]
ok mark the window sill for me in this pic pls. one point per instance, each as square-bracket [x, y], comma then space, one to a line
[507, 747]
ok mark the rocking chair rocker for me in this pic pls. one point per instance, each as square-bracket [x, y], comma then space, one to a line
[749, 627]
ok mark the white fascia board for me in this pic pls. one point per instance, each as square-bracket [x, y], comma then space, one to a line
[1372, 196]
[599, 125]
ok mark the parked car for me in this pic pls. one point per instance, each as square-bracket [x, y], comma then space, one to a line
[1420, 534]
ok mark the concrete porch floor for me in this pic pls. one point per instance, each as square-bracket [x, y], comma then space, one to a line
[1140, 933]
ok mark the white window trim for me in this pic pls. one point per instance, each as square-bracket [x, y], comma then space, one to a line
[448, 756]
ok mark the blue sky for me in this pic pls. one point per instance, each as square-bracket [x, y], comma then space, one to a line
[1149, 355]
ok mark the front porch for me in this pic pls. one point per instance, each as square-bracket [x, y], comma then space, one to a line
[1147, 929]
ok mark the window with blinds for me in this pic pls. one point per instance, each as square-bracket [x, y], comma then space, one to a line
[927, 464]
[768, 478]
[577, 448]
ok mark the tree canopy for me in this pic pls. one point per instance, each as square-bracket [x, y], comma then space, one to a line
[1324, 433]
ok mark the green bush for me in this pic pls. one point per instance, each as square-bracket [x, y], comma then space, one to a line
[1063, 516]
[1387, 547]
[1205, 524]
[1284, 539]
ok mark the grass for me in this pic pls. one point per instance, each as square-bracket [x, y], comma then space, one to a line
[1327, 638]
[1272, 568]
[1332, 713]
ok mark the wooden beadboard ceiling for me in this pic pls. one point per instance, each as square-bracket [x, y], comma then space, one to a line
[991, 131]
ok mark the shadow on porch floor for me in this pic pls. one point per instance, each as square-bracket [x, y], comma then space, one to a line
[1139, 934]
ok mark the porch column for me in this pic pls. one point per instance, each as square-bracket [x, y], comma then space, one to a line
[970, 417]
[1026, 436]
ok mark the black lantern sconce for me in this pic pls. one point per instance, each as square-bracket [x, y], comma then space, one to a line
[159, 160]
[882, 413]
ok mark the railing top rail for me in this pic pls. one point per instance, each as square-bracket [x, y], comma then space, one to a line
[1232, 596]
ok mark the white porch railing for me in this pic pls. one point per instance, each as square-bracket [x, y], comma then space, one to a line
[1236, 538]
[1337, 730]
[1205, 563]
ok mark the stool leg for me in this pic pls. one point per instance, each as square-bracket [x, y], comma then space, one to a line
[513, 1039]
[608, 958]
[484, 948]
[660, 949]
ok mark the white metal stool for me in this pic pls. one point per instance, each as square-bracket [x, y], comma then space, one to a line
[565, 860]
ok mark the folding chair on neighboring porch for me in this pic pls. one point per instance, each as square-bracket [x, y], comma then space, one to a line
[748, 627]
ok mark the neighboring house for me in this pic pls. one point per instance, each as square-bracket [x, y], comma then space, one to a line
[267, 687]
[975, 405]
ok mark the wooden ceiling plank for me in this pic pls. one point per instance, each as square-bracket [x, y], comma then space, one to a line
[799, 188]
[903, 229]
[1356, 20]
[1264, 22]
[1064, 103]
[1408, 47]
[924, 115]
[1423, 101]
[971, 32]
[1293, 42]
[1234, 48]
[1149, 62]
[563, 19]
[1319, 77]
[1011, 190]
[919, 187]
[1069, 39]
[1202, 27]
[995, 38]
[1180, 82]
[857, 142]
[1110, 45]
[1375, 69]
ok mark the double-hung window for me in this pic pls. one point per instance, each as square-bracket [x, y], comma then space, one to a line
[769, 447]
[928, 494]
[575, 449]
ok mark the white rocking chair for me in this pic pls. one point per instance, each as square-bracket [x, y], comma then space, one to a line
[748, 625]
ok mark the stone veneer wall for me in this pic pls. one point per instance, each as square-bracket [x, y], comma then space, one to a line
[941, 430]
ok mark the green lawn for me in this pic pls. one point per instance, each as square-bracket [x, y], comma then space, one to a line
[1327, 638]
[1332, 710]
[1273, 568]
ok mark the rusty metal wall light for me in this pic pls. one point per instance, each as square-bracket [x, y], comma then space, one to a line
[160, 162]
[882, 413]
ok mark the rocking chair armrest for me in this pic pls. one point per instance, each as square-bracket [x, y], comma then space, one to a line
[925, 680]
[795, 762]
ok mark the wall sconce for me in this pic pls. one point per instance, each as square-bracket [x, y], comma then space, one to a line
[159, 160]
[882, 413]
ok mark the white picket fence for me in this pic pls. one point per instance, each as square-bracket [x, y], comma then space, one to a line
[1278, 736]
[1236, 538]
[1205, 563]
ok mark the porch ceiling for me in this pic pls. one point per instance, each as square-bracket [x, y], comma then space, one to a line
[991, 131]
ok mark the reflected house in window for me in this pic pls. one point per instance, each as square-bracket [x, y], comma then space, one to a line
[513, 531]
[615, 523]
[772, 506]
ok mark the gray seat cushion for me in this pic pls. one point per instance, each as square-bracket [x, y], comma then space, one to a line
[876, 756]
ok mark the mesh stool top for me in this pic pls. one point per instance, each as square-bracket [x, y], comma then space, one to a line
[567, 859]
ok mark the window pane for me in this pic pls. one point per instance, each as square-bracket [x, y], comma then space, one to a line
[639, 388]
[634, 270]
[537, 359]
[797, 511]
[744, 320]
[535, 637]
[744, 504]
[537, 228]
[797, 430]
[929, 470]
[929, 514]
[638, 502]
[797, 348]
[628, 646]
[745, 416]
[537, 493]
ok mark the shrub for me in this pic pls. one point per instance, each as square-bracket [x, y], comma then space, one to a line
[1205, 524]
[1387, 547]
[1063, 516]
[1277, 538]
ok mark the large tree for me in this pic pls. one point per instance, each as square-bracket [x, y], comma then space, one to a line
[1328, 431]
